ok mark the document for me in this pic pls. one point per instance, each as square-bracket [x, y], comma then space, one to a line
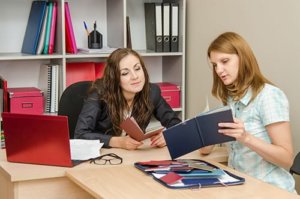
[197, 132]
[85, 149]
[131, 127]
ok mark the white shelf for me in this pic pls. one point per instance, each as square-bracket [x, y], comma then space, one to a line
[22, 69]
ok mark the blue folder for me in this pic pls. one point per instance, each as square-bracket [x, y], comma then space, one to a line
[197, 132]
[34, 27]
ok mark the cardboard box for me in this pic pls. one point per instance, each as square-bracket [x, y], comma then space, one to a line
[26, 100]
[171, 93]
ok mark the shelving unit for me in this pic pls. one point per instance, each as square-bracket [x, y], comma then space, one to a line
[23, 70]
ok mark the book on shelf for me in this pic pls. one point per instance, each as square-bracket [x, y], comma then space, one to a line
[54, 89]
[83, 71]
[48, 83]
[197, 132]
[34, 27]
[48, 28]
[128, 31]
[71, 46]
[52, 29]
[3, 95]
[41, 43]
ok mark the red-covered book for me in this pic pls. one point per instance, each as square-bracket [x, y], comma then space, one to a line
[71, 46]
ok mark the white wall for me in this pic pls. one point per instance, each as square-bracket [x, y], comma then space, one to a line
[272, 28]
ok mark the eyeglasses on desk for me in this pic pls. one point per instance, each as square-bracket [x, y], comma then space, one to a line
[110, 158]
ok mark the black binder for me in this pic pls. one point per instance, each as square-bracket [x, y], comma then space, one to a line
[153, 23]
[166, 27]
[197, 132]
[174, 18]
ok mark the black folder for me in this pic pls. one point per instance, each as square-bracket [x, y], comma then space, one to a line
[166, 27]
[153, 23]
[197, 132]
[34, 27]
[174, 22]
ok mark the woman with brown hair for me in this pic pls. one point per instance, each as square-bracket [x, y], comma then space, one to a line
[124, 91]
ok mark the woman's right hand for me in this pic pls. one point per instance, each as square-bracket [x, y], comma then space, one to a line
[124, 142]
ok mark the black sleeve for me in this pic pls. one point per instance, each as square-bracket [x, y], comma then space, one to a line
[86, 127]
[162, 110]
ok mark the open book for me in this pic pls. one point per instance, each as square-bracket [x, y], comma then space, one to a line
[131, 127]
[197, 132]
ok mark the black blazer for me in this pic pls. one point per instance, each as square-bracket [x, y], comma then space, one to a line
[94, 121]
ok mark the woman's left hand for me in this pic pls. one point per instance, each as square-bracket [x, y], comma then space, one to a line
[235, 129]
[158, 140]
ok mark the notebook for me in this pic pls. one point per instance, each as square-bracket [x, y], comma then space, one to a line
[37, 139]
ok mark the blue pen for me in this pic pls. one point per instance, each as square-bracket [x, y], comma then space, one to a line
[85, 27]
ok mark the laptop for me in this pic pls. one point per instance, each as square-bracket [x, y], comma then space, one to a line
[37, 139]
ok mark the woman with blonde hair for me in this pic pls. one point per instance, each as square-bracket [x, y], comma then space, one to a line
[263, 147]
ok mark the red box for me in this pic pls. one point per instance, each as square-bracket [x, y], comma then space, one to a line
[28, 100]
[171, 93]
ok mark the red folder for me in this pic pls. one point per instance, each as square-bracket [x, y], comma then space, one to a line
[70, 38]
[52, 29]
[79, 71]
[99, 69]
[83, 71]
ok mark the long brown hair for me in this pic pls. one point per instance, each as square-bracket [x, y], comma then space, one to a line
[110, 91]
[249, 73]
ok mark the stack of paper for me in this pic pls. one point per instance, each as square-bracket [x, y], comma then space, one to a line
[85, 149]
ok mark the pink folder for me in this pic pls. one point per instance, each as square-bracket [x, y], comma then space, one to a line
[70, 38]
[52, 30]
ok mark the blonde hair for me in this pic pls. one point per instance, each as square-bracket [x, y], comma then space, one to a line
[249, 73]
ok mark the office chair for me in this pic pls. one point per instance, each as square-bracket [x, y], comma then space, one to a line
[71, 102]
[296, 165]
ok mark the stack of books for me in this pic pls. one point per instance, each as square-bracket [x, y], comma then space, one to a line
[41, 27]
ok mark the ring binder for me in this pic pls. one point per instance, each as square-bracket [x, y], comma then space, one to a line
[153, 22]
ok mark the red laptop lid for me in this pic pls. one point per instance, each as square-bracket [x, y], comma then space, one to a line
[37, 139]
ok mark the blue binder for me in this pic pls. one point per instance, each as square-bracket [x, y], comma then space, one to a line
[34, 27]
[197, 132]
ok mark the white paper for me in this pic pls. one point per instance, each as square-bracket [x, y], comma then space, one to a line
[85, 149]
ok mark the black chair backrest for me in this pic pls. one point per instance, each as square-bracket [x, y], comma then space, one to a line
[71, 102]
[296, 165]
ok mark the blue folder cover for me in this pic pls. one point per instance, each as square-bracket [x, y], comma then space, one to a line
[197, 132]
[34, 27]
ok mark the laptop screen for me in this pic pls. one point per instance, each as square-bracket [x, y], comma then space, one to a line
[37, 139]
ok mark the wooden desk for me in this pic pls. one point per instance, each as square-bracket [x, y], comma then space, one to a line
[36, 181]
[128, 183]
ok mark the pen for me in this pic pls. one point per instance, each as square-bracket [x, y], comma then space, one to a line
[86, 29]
